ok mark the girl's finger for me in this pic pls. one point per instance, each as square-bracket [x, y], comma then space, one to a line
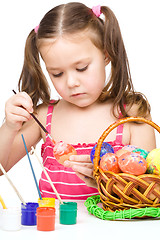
[90, 182]
[71, 164]
[24, 100]
[83, 170]
[19, 111]
[80, 158]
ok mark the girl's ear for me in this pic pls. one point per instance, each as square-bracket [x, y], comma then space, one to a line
[106, 59]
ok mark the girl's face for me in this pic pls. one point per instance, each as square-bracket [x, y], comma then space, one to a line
[76, 68]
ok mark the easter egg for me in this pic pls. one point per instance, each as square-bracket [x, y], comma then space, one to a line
[125, 149]
[105, 148]
[121, 152]
[142, 152]
[62, 151]
[109, 162]
[132, 163]
[153, 161]
[129, 148]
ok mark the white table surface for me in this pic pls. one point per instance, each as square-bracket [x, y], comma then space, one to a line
[89, 227]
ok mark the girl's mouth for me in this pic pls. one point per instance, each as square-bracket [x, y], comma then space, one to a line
[77, 94]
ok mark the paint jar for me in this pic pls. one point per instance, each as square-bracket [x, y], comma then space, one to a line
[11, 219]
[28, 217]
[46, 202]
[45, 219]
[68, 213]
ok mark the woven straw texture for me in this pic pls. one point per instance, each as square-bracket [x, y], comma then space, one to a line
[123, 191]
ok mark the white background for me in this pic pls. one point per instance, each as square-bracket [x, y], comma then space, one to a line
[139, 22]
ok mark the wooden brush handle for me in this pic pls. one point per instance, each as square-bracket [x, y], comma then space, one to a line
[111, 127]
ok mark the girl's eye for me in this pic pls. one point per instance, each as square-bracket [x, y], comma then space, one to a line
[82, 69]
[57, 75]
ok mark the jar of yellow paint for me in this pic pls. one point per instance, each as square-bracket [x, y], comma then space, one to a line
[46, 202]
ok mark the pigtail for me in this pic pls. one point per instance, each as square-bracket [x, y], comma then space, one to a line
[119, 87]
[32, 79]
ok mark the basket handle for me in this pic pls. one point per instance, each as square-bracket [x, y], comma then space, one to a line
[110, 128]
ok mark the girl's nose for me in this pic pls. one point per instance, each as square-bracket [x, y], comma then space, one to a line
[72, 81]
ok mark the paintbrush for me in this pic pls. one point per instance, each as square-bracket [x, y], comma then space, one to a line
[18, 194]
[68, 149]
[47, 176]
[2, 202]
[39, 123]
[31, 167]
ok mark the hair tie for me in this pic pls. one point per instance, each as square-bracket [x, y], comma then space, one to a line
[36, 28]
[96, 10]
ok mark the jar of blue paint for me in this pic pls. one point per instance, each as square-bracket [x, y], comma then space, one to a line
[28, 211]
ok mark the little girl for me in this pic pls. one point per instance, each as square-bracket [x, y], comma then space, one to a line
[76, 43]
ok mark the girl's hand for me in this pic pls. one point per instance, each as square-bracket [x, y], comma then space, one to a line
[17, 110]
[83, 167]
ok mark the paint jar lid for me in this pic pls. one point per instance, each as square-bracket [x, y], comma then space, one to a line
[30, 206]
[45, 211]
[12, 211]
[68, 206]
[46, 202]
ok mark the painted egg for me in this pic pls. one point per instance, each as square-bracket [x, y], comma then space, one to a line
[105, 148]
[109, 162]
[62, 151]
[153, 161]
[129, 148]
[126, 149]
[132, 163]
[142, 152]
[121, 152]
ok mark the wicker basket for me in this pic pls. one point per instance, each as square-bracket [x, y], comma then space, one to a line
[123, 191]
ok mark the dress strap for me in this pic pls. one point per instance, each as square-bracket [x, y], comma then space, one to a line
[49, 118]
[119, 133]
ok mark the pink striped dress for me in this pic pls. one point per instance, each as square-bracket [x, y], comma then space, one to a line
[67, 183]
